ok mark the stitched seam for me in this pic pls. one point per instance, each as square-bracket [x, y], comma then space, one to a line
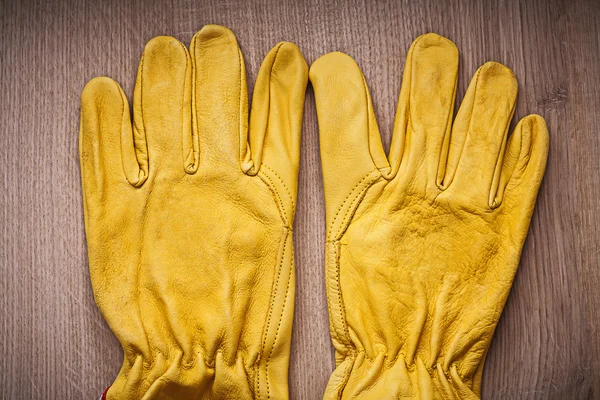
[337, 289]
[349, 345]
[342, 310]
[329, 312]
[333, 221]
[264, 177]
[273, 296]
[287, 290]
[329, 309]
[276, 197]
[352, 210]
[348, 214]
[282, 183]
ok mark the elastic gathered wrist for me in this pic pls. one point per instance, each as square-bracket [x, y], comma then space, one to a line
[360, 377]
[199, 378]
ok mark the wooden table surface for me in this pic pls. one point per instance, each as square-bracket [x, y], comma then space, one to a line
[54, 344]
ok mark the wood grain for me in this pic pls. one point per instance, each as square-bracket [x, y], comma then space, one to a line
[54, 343]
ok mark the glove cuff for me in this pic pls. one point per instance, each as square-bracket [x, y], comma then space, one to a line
[361, 377]
[177, 379]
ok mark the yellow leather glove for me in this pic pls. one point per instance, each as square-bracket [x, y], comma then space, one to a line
[189, 218]
[422, 245]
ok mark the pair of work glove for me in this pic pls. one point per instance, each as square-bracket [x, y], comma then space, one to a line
[189, 216]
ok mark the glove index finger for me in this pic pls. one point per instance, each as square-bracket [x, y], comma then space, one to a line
[351, 150]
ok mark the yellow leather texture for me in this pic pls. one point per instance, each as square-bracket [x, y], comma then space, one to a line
[423, 243]
[188, 216]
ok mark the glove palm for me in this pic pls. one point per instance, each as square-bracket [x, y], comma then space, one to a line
[188, 230]
[422, 246]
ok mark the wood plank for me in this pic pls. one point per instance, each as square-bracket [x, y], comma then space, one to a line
[53, 340]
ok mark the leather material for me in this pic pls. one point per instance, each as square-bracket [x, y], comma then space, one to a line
[188, 216]
[422, 244]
